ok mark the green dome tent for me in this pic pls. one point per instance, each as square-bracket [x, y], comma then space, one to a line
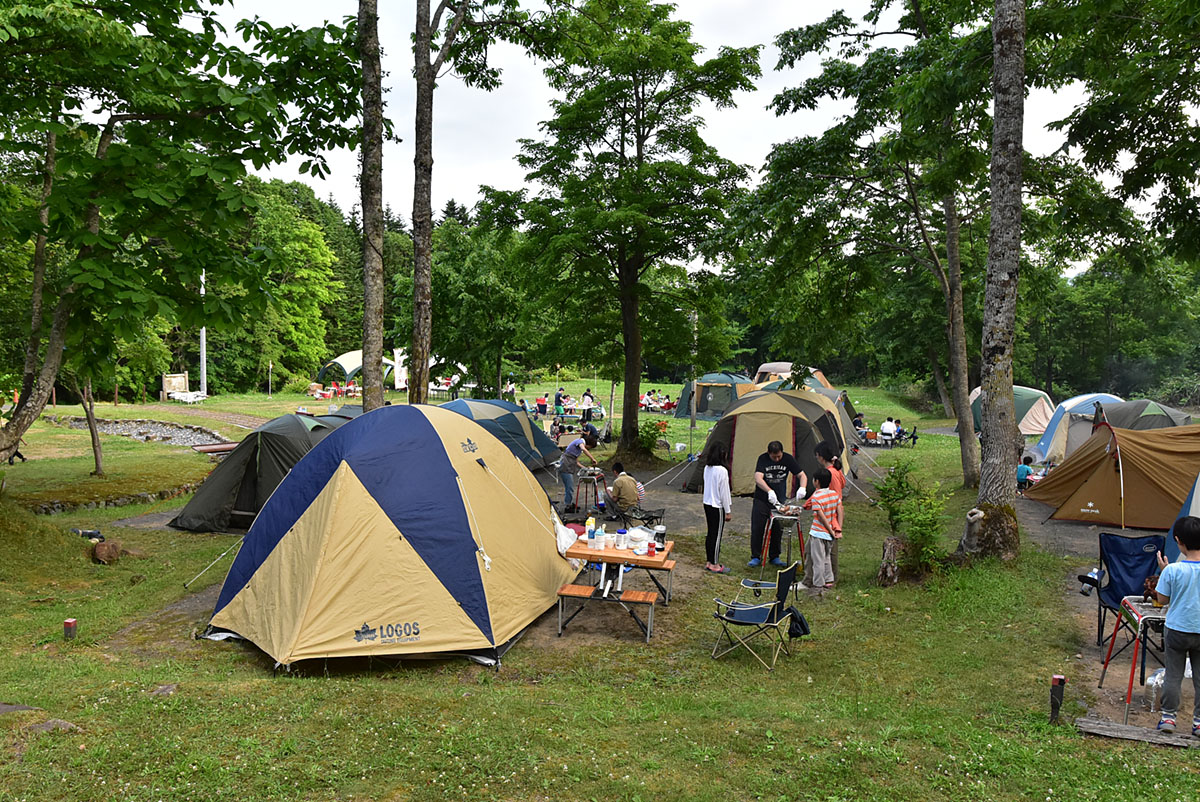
[241, 484]
[1142, 414]
[714, 393]
[1034, 409]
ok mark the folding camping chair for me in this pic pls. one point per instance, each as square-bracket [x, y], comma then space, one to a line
[1125, 562]
[636, 515]
[770, 620]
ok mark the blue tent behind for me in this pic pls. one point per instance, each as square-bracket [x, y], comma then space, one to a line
[512, 426]
[1079, 405]
[1191, 506]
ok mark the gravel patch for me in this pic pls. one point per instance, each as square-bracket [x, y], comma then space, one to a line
[146, 430]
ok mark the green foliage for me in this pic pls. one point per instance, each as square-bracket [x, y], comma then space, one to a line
[481, 304]
[649, 431]
[908, 385]
[629, 191]
[922, 521]
[297, 385]
[894, 490]
[1182, 390]
[917, 513]
[1135, 61]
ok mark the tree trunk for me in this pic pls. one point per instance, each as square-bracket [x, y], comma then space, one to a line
[943, 394]
[500, 371]
[631, 334]
[88, 402]
[39, 268]
[422, 217]
[956, 331]
[998, 534]
[372, 205]
[32, 403]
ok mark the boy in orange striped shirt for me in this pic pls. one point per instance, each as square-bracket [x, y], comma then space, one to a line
[826, 525]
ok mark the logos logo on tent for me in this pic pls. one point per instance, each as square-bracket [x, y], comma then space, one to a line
[1090, 508]
[469, 446]
[366, 633]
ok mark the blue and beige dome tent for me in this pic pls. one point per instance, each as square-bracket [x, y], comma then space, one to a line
[239, 486]
[714, 393]
[512, 426]
[1057, 441]
[410, 530]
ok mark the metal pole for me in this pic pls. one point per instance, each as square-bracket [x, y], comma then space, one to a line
[203, 348]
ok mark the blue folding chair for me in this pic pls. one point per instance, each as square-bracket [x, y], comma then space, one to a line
[1125, 562]
[769, 619]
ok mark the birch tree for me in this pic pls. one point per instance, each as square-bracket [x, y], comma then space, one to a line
[998, 534]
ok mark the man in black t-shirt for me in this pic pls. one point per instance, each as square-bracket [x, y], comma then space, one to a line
[770, 487]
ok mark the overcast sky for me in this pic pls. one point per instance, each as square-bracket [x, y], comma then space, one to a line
[476, 132]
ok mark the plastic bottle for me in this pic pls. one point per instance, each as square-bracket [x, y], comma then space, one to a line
[590, 527]
[591, 537]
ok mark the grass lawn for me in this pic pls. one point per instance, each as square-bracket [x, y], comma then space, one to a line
[60, 465]
[924, 692]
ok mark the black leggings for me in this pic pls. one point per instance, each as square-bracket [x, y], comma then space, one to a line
[716, 524]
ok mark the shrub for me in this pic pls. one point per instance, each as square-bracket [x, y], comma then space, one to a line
[916, 513]
[922, 519]
[894, 491]
[297, 384]
[649, 432]
[1181, 391]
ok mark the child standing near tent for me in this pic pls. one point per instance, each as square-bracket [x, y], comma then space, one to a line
[718, 505]
[837, 483]
[1179, 587]
[1024, 471]
[824, 504]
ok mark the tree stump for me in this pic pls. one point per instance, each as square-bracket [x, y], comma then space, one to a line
[969, 544]
[889, 568]
[106, 552]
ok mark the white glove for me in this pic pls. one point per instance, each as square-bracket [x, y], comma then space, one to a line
[771, 497]
[801, 493]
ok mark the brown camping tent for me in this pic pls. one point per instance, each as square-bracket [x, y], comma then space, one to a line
[1124, 477]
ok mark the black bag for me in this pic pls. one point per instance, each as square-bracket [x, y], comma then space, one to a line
[798, 626]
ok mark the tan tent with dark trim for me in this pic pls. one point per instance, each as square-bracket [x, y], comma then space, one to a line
[797, 418]
[1124, 477]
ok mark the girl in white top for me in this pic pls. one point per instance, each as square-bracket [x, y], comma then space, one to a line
[717, 505]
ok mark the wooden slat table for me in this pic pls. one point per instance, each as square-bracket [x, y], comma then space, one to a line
[660, 562]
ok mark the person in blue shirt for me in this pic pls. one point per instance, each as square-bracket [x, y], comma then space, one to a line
[1023, 472]
[1179, 588]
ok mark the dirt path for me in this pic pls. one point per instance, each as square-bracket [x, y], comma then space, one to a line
[235, 418]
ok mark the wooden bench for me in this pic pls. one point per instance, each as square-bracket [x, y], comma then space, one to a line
[669, 567]
[646, 597]
[587, 593]
[569, 591]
